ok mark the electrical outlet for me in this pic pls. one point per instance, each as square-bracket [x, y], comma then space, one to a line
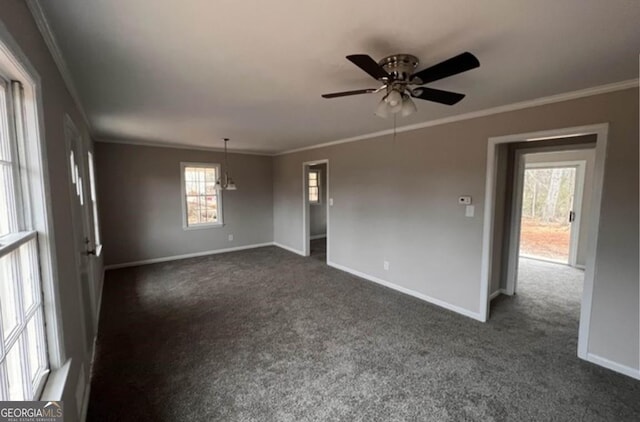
[230, 238]
[385, 264]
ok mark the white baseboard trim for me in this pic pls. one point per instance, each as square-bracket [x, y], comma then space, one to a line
[498, 293]
[185, 256]
[288, 248]
[318, 236]
[580, 267]
[614, 366]
[434, 301]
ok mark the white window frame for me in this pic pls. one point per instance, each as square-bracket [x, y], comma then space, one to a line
[14, 65]
[20, 248]
[183, 197]
[97, 238]
[318, 174]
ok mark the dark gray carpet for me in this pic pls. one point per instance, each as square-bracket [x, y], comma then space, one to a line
[266, 335]
[319, 249]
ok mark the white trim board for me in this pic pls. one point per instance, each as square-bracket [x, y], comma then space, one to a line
[601, 132]
[54, 48]
[289, 248]
[318, 236]
[498, 293]
[429, 299]
[609, 364]
[185, 256]
[153, 144]
[306, 207]
[572, 95]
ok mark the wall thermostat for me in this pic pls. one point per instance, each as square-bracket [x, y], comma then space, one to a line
[464, 200]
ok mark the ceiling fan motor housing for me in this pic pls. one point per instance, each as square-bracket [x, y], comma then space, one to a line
[400, 66]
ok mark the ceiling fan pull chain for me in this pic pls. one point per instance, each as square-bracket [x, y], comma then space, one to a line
[394, 128]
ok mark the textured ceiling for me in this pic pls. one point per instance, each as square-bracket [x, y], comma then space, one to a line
[194, 71]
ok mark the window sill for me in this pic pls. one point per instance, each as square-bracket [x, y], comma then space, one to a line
[203, 226]
[56, 381]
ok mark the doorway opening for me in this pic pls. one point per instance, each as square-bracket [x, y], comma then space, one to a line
[316, 203]
[557, 282]
[548, 202]
[548, 216]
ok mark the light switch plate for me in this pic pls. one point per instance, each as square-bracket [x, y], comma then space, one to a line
[330, 202]
[469, 211]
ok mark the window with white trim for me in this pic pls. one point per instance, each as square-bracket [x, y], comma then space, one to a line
[24, 362]
[314, 186]
[201, 199]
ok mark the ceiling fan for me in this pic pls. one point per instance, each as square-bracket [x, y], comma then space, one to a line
[396, 73]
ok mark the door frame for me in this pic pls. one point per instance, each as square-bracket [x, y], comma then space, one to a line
[81, 223]
[306, 226]
[601, 131]
[516, 211]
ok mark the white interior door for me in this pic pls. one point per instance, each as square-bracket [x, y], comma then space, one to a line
[82, 232]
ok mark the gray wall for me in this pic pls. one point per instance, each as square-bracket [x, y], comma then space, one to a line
[588, 155]
[318, 212]
[141, 207]
[396, 201]
[57, 102]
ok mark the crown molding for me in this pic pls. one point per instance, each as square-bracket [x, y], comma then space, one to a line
[52, 44]
[572, 95]
[179, 146]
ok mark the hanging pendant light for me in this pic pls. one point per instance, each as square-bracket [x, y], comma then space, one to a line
[225, 182]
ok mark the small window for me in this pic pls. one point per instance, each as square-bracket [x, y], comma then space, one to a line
[201, 199]
[314, 186]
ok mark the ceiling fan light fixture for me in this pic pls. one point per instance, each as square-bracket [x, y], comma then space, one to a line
[394, 98]
[382, 110]
[408, 106]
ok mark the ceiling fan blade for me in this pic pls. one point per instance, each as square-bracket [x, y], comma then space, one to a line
[346, 93]
[369, 65]
[436, 95]
[453, 66]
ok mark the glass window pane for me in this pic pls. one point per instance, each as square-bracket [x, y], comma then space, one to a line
[212, 209]
[313, 175]
[14, 371]
[5, 150]
[3, 381]
[192, 212]
[313, 194]
[29, 275]
[72, 164]
[8, 296]
[35, 346]
[8, 222]
[211, 175]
